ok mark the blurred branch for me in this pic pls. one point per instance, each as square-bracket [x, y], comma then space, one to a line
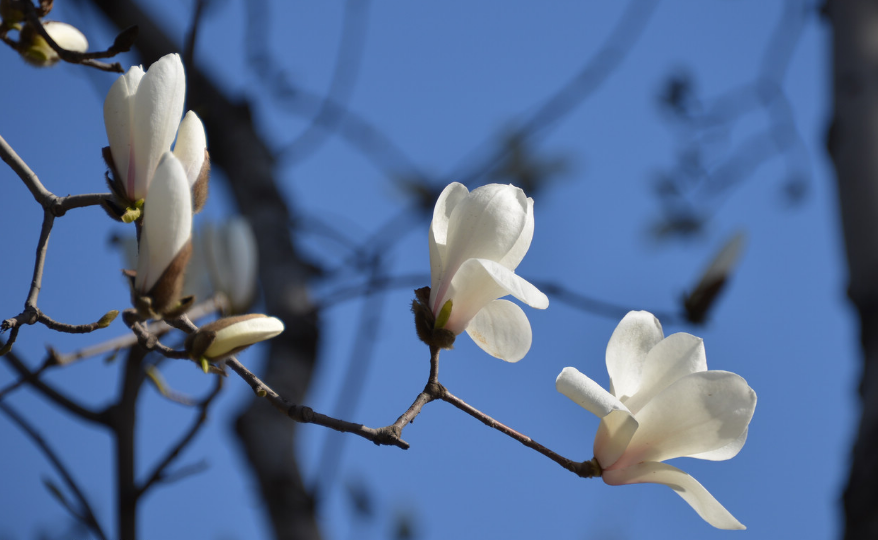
[159, 472]
[85, 514]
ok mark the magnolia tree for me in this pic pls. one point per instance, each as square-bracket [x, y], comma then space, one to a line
[191, 292]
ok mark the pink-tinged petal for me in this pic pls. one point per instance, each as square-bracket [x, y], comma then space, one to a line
[158, 107]
[699, 413]
[502, 330]
[190, 146]
[726, 452]
[167, 222]
[627, 350]
[119, 121]
[614, 434]
[448, 199]
[512, 259]
[686, 487]
[617, 424]
[671, 359]
[477, 283]
[486, 224]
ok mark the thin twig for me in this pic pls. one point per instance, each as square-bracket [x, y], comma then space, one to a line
[306, 415]
[159, 472]
[88, 518]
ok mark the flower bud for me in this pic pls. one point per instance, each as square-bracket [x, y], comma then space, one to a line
[191, 150]
[37, 52]
[223, 338]
[232, 257]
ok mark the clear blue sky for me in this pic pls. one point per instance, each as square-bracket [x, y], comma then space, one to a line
[444, 80]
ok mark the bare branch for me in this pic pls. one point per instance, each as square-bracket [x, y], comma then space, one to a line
[86, 515]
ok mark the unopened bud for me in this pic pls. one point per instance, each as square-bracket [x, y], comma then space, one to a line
[108, 318]
[224, 337]
[36, 51]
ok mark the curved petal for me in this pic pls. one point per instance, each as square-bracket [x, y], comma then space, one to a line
[158, 107]
[512, 259]
[119, 119]
[486, 224]
[671, 359]
[167, 222]
[190, 146]
[699, 413]
[636, 334]
[726, 452]
[686, 487]
[502, 330]
[586, 393]
[480, 281]
[448, 199]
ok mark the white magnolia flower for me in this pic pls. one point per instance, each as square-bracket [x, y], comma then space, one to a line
[232, 258]
[141, 114]
[224, 337]
[663, 403]
[38, 52]
[167, 226]
[477, 239]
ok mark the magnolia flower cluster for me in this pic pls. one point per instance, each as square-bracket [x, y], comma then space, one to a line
[477, 240]
[663, 404]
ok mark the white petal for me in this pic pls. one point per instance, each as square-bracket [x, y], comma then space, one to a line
[190, 146]
[629, 345]
[586, 393]
[686, 487]
[671, 359]
[617, 425]
[726, 452]
[67, 36]
[512, 259]
[158, 107]
[119, 119]
[167, 222]
[448, 199]
[477, 283]
[486, 224]
[243, 263]
[699, 413]
[614, 433]
[502, 330]
[242, 334]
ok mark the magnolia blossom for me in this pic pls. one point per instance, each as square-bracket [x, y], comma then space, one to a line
[224, 337]
[37, 51]
[164, 241]
[477, 239]
[232, 259]
[141, 114]
[663, 403]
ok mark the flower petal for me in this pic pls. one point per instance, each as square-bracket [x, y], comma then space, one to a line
[512, 259]
[726, 452]
[448, 199]
[158, 107]
[480, 281]
[502, 330]
[671, 359]
[686, 487]
[486, 224]
[190, 146]
[167, 222]
[699, 413]
[627, 350]
[67, 36]
[119, 119]
[617, 424]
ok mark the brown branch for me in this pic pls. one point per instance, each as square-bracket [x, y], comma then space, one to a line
[30, 179]
[88, 518]
[159, 472]
[306, 415]
[52, 324]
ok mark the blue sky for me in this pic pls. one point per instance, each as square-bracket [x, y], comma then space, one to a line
[444, 81]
